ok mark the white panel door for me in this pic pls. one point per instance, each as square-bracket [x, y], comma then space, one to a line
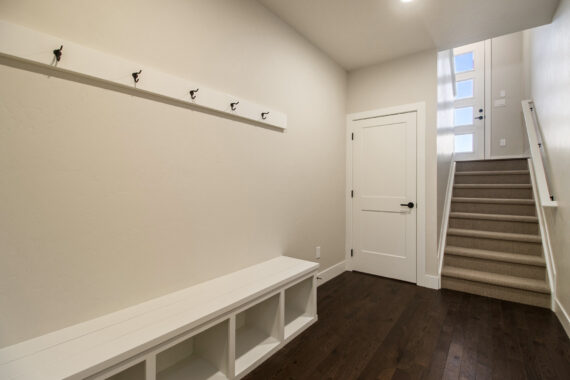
[469, 104]
[384, 182]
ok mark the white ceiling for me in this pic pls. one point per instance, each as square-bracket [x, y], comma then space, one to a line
[357, 33]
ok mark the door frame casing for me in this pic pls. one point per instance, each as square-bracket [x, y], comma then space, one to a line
[420, 108]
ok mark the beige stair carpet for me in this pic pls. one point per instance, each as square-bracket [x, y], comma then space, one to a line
[493, 246]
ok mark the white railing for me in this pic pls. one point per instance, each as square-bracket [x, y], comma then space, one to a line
[546, 199]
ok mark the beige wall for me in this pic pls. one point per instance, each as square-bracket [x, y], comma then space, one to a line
[507, 73]
[445, 135]
[550, 88]
[407, 80]
[107, 200]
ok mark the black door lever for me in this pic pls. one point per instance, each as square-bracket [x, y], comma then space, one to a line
[409, 204]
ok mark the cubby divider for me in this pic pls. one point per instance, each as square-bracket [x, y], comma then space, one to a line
[258, 332]
[300, 306]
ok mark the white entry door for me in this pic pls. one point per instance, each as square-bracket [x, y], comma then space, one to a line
[384, 185]
[469, 104]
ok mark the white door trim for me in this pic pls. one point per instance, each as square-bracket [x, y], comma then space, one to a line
[420, 108]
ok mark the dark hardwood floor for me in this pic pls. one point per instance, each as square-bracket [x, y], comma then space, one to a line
[376, 328]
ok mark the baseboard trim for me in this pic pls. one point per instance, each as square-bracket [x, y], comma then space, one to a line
[562, 316]
[331, 272]
[429, 281]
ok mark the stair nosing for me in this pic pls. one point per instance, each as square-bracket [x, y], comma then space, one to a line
[506, 257]
[492, 172]
[493, 200]
[493, 186]
[521, 283]
[499, 217]
[526, 238]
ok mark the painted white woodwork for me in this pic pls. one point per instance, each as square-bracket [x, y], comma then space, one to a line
[536, 161]
[384, 181]
[331, 272]
[300, 306]
[423, 279]
[476, 126]
[24, 46]
[545, 234]
[445, 221]
[203, 356]
[257, 333]
[206, 316]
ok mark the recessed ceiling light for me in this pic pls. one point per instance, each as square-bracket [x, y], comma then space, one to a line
[406, 1]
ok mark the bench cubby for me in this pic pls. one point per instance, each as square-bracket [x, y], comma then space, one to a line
[257, 333]
[204, 356]
[300, 306]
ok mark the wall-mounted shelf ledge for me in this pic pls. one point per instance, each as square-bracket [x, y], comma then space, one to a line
[31, 50]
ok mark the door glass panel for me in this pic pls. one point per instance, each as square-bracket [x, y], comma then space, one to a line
[464, 143]
[464, 62]
[463, 116]
[464, 89]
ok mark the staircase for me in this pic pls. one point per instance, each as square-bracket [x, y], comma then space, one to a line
[493, 245]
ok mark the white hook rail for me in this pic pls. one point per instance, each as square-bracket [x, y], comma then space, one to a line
[27, 46]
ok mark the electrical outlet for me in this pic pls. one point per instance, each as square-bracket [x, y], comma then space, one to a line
[318, 252]
[503, 142]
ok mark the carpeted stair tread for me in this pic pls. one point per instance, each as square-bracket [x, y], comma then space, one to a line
[505, 201]
[500, 217]
[494, 235]
[492, 172]
[496, 256]
[538, 286]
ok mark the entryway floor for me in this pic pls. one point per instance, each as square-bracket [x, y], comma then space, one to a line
[375, 328]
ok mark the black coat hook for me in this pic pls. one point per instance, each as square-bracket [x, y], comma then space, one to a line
[193, 93]
[136, 76]
[264, 115]
[58, 53]
[233, 105]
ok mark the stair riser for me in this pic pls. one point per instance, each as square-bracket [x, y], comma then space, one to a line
[523, 248]
[493, 193]
[494, 208]
[473, 166]
[487, 179]
[494, 225]
[499, 292]
[491, 266]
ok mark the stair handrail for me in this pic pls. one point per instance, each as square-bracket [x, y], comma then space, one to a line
[546, 198]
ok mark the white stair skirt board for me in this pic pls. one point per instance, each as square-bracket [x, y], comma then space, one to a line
[563, 316]
[25, 48]
[221, 328]
[445, 221]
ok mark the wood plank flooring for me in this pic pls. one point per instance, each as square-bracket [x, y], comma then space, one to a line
[375, 328]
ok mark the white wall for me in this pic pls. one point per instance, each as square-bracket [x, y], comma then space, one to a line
[445, 135]
[107, 200]
[549, 56]
[407, 80]
[507, 73]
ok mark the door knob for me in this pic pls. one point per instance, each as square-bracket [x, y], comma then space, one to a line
[479, 118]
[409, 204]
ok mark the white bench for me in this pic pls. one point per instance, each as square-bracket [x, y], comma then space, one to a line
[219, 329]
